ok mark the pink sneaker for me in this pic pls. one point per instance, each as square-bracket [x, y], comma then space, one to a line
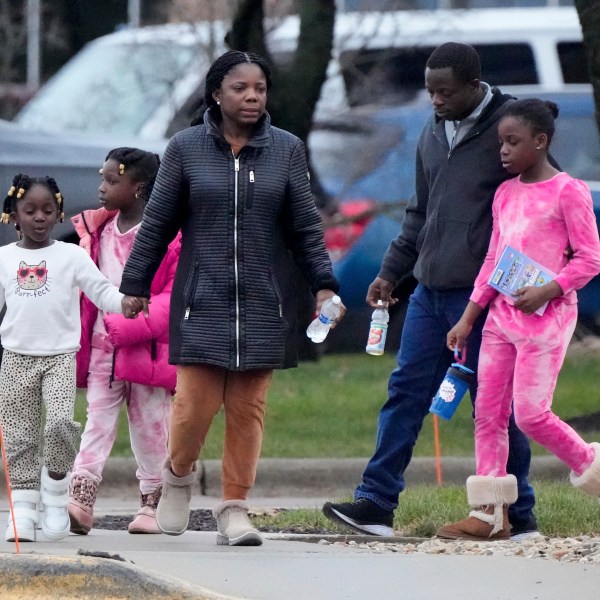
[145, 518]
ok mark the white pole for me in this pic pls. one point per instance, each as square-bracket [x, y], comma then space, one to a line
[33, 44]
[133, 13]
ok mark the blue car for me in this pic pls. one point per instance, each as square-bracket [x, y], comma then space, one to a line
[366, 160]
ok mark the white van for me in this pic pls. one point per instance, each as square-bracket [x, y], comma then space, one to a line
[148, 82]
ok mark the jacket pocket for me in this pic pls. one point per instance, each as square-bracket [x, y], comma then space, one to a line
[190, 289]
[277, 294]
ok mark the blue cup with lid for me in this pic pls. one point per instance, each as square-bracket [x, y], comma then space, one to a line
[453, 388]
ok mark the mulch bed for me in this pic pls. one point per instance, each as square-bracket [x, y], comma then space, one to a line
[200, 520]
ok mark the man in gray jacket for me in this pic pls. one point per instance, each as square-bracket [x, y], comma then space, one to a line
[443, 242]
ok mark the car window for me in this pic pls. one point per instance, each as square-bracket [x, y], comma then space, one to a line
[576, 146]
[573, 62]
[395, 75]
[132, 80]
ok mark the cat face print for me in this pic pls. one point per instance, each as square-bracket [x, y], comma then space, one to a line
[32, 277]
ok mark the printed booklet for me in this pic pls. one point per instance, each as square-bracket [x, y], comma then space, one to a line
[516, 270]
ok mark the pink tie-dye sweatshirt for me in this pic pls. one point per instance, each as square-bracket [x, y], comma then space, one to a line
[542, 220]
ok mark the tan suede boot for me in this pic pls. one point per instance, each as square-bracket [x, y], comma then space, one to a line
[589, 480]
[234, 525]
[490, 497]
[173, 510]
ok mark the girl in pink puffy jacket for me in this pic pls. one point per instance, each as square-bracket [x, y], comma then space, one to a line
[123, 360]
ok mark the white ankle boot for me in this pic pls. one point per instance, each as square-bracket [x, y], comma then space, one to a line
[25, 507]
[234, 525]
[589, 480]
[55, 498]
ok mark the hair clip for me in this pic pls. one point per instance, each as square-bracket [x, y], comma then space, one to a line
[20, 193]
[12, 190]
[58, 197]
[121, 169]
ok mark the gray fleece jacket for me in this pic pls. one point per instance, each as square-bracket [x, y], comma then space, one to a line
[448, 222]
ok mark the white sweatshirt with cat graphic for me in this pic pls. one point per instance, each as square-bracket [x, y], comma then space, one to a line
[41, 291]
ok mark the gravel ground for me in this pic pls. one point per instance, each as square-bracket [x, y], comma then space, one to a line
[583, 549]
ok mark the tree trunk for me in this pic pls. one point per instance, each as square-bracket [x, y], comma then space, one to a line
[589, 17]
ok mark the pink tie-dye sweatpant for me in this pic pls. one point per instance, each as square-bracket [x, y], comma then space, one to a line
[521, 356]
[148, 410]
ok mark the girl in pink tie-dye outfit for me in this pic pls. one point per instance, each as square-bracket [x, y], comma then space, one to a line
[123, 362]
[541, 213]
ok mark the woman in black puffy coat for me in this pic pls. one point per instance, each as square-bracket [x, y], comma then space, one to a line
[239, 190]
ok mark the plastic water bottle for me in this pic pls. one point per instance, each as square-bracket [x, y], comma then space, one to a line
[378, 330]
[330, 310]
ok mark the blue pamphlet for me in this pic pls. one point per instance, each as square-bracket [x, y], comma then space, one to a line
[516, 270]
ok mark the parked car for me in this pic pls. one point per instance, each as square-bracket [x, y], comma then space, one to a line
[147, 82]
[73, 159]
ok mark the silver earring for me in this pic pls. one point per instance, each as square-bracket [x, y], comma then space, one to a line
[218, 103]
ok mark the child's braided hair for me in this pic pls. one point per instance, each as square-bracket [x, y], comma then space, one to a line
[142, 165]
[20, 186]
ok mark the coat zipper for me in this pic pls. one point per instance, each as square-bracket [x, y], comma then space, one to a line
[235, 262]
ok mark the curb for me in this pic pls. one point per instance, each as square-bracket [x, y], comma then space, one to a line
[316, 477]
[39, 577]
[327, 477]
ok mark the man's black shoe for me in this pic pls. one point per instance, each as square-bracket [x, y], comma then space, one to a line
[362, 515]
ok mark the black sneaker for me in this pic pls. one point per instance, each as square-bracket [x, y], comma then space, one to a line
[526, 530]
[362, 515]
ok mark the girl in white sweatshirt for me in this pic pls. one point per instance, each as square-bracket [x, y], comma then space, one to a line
[40, 280]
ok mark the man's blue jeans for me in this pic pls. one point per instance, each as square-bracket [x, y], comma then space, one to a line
[422, 363]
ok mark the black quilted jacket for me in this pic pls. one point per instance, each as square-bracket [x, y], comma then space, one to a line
[232, 303]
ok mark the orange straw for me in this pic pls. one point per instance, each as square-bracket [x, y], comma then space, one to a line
[9, 492]
[438, 458]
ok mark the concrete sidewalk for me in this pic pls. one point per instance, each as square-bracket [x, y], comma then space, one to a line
[193, 566]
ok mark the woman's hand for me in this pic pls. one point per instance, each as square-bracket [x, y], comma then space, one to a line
[133, 305]
[322, 295]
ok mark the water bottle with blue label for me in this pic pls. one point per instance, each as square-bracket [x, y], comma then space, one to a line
[330, 310]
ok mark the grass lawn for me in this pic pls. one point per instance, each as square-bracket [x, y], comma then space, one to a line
[329, 409]
[561, 511]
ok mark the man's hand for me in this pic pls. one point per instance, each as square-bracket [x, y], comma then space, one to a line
[380, 289]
